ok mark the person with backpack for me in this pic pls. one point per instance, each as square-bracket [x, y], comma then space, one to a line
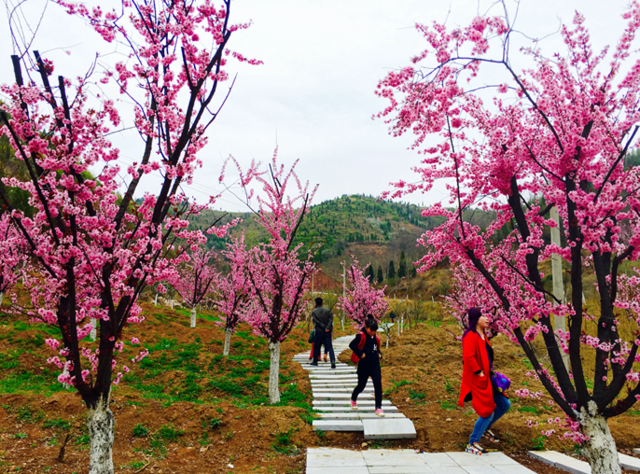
[366, 353]
[480, 384]
[323, 326]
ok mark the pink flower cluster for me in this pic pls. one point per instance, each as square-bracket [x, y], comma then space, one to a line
[361, 297]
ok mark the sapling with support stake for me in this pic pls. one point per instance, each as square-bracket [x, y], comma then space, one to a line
[279, 271]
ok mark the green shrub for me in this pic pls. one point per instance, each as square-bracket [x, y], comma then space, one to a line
[169, 433]
[58, 423]
[140, 431]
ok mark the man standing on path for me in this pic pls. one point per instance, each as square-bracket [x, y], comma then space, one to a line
[323, 322]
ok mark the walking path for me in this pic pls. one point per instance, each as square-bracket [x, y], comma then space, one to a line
[405, 461]
[332, 394]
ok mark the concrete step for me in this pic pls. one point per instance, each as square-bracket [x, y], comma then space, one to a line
[345, 403]
[370, 408]
[388, 428]
[338, 425]
[561, 461]
[358, 415]
[340, 396]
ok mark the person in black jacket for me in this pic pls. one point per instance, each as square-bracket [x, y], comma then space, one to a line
[323, 322]
[369, 356]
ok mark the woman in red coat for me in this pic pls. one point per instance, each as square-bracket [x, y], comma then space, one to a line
[477, 358]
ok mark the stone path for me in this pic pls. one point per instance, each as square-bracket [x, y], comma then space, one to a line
[575, 466]
[407, 461]
[332, 394]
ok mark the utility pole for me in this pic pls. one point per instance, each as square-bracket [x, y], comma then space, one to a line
[556, 273]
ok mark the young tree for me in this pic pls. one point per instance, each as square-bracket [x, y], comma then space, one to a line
[402, 266]
[95, 251]
[232, 290]
[13, 253]
[369, 273]
[195, 278]
[559, 130]
[391, 273]
[361, 297]
[380, 275]
[279, 272]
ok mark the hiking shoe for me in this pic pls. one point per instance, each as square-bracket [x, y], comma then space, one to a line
[333, 366]
[314, 364]
[354, 405]
[379, 412]
[480, 448]
[490, 436]
[472, 449]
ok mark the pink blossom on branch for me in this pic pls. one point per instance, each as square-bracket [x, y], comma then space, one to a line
[195, 278]
[361, 297]
[232, 289]
[94, 246]
[279, 271]
[555, 134]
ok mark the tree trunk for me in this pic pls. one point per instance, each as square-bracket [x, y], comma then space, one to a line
[274, 372]
[1, 296]
[65, 371]
[193, 317]
[227, 341]
[100, 424]
[94, 330]
[155, 301]
[600, 450]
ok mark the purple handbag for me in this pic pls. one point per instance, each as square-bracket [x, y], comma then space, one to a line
[500, 382]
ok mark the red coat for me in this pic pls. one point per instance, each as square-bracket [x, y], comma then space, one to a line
[475, 358]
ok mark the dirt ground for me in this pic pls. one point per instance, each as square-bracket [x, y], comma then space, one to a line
[184, 412]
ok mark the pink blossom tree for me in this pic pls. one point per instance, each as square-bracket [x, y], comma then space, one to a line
[558, 130]
[361, 297]
[471, 290]
[279, 271]
[13, 253]
[232, 290]
[195, 278]
[93, 250]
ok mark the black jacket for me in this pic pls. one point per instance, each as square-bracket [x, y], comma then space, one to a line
[371, 351]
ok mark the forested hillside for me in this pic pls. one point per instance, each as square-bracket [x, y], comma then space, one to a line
[381, 233]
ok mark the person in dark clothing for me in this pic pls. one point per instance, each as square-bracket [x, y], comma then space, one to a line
[369, 356]
[323, 323]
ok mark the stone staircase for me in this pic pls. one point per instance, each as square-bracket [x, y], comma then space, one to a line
[332, 394]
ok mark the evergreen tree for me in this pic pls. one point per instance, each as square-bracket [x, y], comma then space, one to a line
[392, 270]
[414, 272]
[380, 277]
[369, 273]
[402, 266]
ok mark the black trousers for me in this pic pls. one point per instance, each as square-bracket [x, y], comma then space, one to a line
[363, 376]
[323, 338]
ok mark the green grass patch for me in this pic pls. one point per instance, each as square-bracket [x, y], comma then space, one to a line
[448, 405]
[140, 431]
[57, 423]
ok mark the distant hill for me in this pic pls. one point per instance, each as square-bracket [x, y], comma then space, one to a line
[377, 232]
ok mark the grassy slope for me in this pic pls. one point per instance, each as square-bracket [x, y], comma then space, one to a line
[187, 409]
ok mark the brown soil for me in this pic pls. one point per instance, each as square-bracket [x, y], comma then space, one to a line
[248, 435]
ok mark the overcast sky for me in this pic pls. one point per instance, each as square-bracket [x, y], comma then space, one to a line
[314, 95]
